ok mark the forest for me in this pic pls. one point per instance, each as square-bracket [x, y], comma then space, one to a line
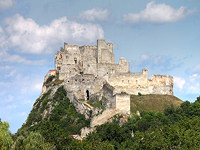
[175, 128]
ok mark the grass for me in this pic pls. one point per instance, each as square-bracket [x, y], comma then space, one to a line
[153, 102]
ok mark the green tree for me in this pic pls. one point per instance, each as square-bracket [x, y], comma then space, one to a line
[5, 136]
[34, 141]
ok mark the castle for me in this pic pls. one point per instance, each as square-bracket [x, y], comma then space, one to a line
[90, 71]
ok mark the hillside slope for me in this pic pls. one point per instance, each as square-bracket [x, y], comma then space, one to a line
[55, 118]
[153, 102]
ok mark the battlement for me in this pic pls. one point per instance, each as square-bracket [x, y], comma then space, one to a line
[98, 60]
[90, 72]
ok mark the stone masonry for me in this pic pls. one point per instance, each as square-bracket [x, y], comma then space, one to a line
[90, 71]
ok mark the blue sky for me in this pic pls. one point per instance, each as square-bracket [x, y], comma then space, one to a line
[161, 35]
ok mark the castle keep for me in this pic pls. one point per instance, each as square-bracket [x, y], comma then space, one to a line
[90, 72]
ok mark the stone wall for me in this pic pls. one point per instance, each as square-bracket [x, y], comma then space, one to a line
[123, 103]
[89, 67]
[79, 84]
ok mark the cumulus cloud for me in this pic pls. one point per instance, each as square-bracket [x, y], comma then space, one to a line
[5, 67]
[161, 62]
[189, 84]
[3, 40]
[157, 13]
[193, 86]
[5, 4]
[11, 74]
[179, 82]
[30, 37]
[15, 58]
[94, 14]
[28, 84]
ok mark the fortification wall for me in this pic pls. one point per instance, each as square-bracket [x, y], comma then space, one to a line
[122, 103]
[131, 80]
[80, 84]
[162, 84]
[105, 52]
[123, 66]
[98, 60]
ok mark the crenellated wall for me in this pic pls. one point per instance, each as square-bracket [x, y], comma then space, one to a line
[98, 60]
[90, 72]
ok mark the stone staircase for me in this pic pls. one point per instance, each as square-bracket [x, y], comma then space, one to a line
[103, 118]
[88, 106]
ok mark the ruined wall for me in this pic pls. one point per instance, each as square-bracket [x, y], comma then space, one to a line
[123, 103]
[161, 84]
[123, 66]
[134, 83]
[79, 84]
[105, 52]
[131, 80]
[98, 60]
[108, 95]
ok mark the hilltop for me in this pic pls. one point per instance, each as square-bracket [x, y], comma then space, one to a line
[153, 102]
[87, 89]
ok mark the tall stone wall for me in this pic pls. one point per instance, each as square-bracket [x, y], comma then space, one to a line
[80, 84]
[98, 60]
[123, 103]
[105, 52]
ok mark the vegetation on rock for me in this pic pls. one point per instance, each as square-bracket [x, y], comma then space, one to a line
[173, 128]
[59, 123]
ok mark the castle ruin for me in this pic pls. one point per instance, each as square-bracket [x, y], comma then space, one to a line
[90, 71]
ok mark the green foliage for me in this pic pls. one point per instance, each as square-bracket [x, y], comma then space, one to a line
[174, 128]
[49, 79]
[96, 103]
[5, 136]
[33, 141]
[53, 80]
[63, 121]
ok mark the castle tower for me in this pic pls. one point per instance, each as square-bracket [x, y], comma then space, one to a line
[105, 52]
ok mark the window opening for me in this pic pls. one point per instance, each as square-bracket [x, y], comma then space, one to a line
[88, 95]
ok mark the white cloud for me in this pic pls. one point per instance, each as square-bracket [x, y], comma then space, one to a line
[5, 4]
[144, 57]
[194, 84]
[157, 13]
[179, 82]
[30, 84]
[94, 14]
[6, 67]
[194, 77]
[3, 84]
[14, 58]
[30, 37]
[11, 74]
[5, 57]
[38, 86]
[3, 40]
[195, 69]
[159, 62]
